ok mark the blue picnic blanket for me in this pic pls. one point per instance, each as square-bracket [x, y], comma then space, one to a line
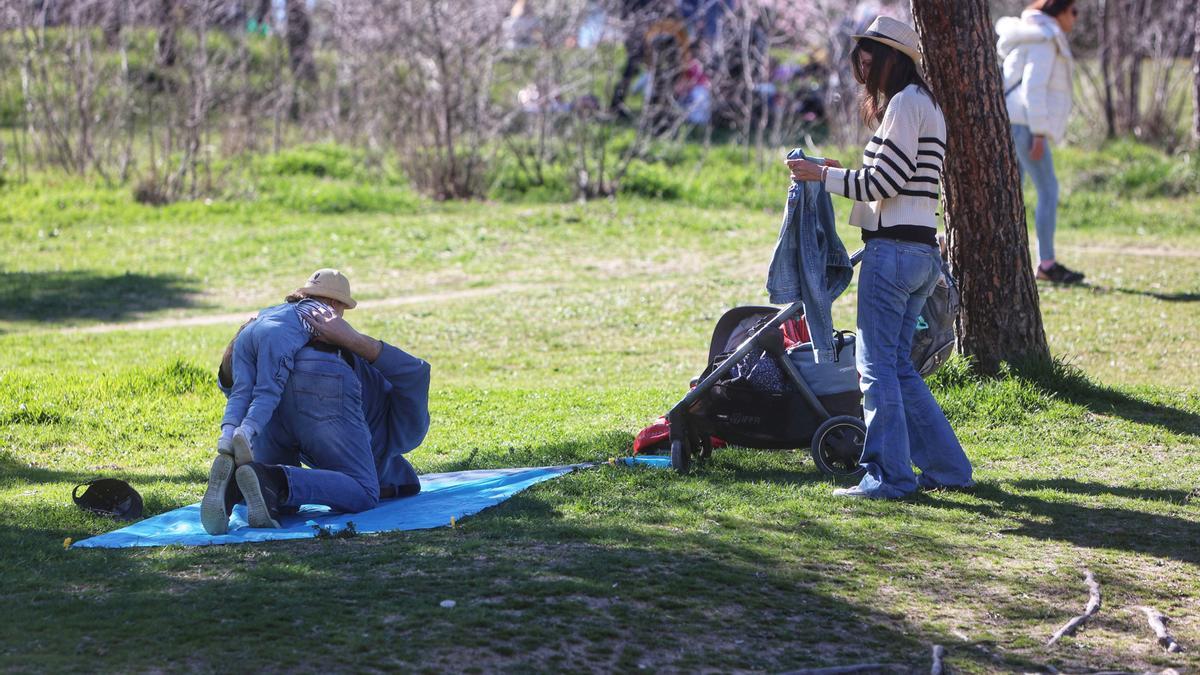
[443, 496]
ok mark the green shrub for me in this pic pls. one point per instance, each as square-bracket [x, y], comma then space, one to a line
[1130, 169]
[511, 183]
[320, 161]
[309, 195]
[651, 180]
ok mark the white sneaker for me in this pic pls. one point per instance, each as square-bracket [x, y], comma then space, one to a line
[853, 492]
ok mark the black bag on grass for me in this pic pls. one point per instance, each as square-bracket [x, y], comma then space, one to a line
[109, 497]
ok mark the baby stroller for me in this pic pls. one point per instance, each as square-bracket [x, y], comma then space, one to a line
[758, 393]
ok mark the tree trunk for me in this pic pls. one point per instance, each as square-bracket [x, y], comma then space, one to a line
[112, 24]
[167, 22]
[299, 52]
[260, 12]
[985, 214]
[1196, 75]
[1106, 56]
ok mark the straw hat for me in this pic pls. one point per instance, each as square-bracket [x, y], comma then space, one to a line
[329, 283]
[896, 34]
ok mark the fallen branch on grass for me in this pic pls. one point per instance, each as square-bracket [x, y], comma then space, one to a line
[1093, 606]
[1158, 623]
[938, 652]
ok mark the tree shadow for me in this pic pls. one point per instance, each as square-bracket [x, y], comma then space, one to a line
[1102, 527]
[1071, 385]
[1100, 489]
[13, 471]
[534, 583]
[1165, 297]
[81, 294]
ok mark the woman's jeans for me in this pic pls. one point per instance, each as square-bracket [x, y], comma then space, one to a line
[1046, 184]
[320, 422]
[905, 425]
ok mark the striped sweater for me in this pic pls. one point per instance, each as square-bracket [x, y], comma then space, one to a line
[902, 165]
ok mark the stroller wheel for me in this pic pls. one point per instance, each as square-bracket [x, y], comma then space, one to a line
[838, 445]
[681, 456]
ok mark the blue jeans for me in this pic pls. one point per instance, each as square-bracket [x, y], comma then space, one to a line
[1045, 182]
[905, 425]
[320, 422]
[262, 361]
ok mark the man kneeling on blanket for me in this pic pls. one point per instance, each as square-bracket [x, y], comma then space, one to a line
[352, 407]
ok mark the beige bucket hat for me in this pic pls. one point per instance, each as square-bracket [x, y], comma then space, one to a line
[329, 283]
[896, 34]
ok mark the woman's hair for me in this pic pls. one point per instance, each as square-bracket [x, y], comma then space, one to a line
[1051, 7]
[225, 370]
[891, 71]
[301, 294]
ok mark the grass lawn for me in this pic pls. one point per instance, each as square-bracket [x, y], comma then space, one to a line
[556, 331]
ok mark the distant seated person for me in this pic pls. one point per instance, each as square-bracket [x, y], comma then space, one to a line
[349, 409]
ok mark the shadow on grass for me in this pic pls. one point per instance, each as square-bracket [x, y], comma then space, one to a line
[1165, 297]
[1070, 384]
[15, 472]
[606, 570]
[534, 592]
[1100, 490]
[64, 296]
[1093, 527]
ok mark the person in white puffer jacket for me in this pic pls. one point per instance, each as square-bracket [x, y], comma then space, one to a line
[1037, 68]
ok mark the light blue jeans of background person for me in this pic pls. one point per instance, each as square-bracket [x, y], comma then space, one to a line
[262, 360]
[1045, 216]
[905, 425]
[319, 422]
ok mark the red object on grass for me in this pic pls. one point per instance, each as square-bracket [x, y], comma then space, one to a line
[658, 434]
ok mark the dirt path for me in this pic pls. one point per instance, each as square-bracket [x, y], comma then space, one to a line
[1146, 251]
[470, 293]
[237, 317]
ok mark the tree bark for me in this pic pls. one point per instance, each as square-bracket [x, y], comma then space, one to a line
[1106, 56]
[260, 12]
[165, 51]
[1196, 75]
[299, 27]
[112, 23]
[985, 213]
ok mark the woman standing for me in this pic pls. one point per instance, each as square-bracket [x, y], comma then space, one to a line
[895, 203]
[1037, 90]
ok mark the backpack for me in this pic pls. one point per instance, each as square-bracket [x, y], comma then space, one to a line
[933, 342]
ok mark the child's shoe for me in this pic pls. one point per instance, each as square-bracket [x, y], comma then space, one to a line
[243, 446]
[225, 442]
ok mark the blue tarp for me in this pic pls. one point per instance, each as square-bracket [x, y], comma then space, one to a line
[443, 495]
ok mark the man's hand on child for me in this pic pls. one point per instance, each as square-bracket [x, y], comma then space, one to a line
[337, 332]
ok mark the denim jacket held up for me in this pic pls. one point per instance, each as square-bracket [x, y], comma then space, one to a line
[810, 263]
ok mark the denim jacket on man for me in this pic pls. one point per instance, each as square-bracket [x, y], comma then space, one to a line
[395, 399]
[810, 263]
